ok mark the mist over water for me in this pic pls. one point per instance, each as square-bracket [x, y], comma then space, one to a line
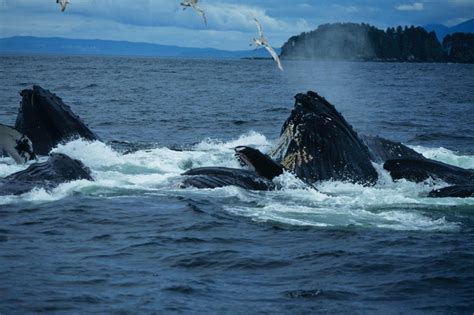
[131, 240]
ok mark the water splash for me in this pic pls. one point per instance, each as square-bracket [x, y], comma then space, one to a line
[400, 205]
[446, 156]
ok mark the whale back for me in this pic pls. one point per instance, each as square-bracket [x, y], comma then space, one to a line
[47, 121]
[318, 144]
[382, 150]
[418, 170]
[216, 177]
[59, 168]
[458, 191]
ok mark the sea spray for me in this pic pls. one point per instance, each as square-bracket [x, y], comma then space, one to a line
[388, 205]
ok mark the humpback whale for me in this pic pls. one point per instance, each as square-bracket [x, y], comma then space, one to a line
[317, 144]
[261, 169]
[457, 191]
[418, 170]
[47, 121]
[59, 168]
[382, 150]
[15, 145]
[405, 163]
[215, 177]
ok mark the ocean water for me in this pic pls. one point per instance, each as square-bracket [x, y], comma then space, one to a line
[131, 241]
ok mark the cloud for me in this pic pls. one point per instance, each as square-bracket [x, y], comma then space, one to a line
[455, 21]
[462, 2]
[231, 26]
[417, 6]
[230, 23]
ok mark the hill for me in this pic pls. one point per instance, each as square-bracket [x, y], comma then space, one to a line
[351, 41]
[66, 46]
[442, 31]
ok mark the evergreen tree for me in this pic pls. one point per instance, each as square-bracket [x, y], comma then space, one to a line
[350, 41]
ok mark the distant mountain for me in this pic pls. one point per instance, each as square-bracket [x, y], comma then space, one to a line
[442, 30]
[65, 46]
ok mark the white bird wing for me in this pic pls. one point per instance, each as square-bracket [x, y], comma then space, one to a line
[274, 56]
[62, 4]
[200, 12]
[260, 29]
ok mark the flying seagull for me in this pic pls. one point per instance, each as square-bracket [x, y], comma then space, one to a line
[62, 4]
[193, 4]
[263, 41]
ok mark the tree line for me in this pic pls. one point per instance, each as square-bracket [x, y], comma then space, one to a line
[351, 41]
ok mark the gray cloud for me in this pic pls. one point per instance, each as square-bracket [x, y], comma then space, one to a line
[230, 23]
[416, 6]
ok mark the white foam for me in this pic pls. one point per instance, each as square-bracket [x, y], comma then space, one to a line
[342, 216]
[94, 154]
[253, 139]
[8, 167]
[446, 156]
[387, 205]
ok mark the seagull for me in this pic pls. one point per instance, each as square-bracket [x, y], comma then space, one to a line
[193, 4]
[62, 4]
[263, 41]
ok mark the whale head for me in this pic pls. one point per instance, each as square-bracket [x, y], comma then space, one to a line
[68, 169]
[317, 144]
[47, 121]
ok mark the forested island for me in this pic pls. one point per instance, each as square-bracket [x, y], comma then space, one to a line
[351, 41]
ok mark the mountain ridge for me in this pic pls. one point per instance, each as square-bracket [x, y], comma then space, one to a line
[442, 30]
[99, 47]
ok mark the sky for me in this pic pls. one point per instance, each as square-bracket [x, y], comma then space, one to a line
[230, 23]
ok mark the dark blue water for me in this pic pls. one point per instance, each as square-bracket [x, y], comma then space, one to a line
[133, 242]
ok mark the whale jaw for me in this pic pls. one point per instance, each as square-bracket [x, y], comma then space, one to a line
[317, 144]
[47, 121]
[217, 177]
[262, 164]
